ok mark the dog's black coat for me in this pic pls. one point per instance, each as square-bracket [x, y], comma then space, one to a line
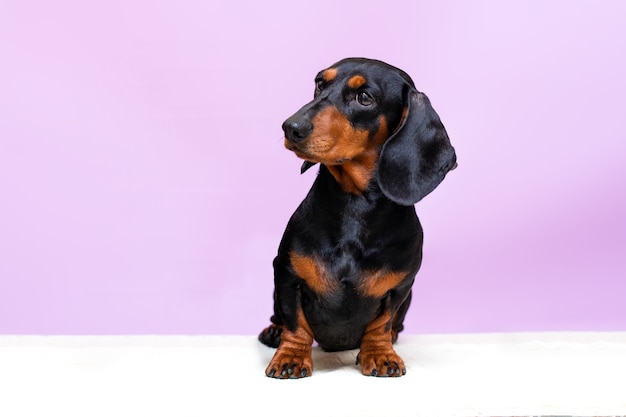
[351, 250]
[354, 234]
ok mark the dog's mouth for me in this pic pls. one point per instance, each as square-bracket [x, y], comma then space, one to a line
[291, 146]
[304, 153]
[300, 153]
[307, 156]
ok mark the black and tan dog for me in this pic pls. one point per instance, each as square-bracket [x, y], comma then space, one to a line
[349, 255]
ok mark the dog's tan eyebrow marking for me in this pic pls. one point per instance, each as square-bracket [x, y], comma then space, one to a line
[356, 81]
[329, 74]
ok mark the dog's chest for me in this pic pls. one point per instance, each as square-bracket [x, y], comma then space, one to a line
[350, 247]
[344, 272]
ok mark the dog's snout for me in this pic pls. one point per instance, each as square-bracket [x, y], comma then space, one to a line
[297, 129]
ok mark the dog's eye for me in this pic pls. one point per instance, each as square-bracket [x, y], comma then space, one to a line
[319, 86]
[364, 99]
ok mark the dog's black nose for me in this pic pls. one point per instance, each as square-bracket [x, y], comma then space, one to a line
[297, 129]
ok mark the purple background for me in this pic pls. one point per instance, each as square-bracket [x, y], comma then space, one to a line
[145, 186]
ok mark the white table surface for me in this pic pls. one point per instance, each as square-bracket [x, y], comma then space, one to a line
[514, 374]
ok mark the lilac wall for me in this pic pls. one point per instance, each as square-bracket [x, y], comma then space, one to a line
[145, 187]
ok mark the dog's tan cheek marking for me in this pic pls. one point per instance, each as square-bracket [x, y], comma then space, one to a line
[356, 81]
[329, 74]
[335, 137]
[366, 163]
[334, 132]
[379, 283]
[382, 133]
[312, 272]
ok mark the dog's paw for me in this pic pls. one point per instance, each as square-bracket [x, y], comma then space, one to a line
[376, 363]
[289, 363]
[270, 336]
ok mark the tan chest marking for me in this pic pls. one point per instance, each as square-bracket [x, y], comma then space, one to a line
[315, 274]
[379, 283]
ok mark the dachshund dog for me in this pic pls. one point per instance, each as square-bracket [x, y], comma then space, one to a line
[351, 250]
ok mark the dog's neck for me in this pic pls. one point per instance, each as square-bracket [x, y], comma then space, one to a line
[354, 176]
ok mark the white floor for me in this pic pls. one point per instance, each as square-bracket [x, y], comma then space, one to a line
[462, 375]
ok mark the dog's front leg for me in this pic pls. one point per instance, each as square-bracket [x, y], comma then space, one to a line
[377, 356]
[293, 356]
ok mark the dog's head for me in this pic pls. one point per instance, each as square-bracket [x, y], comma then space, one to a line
[367, 119]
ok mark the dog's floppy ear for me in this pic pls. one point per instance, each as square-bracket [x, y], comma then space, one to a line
[418, 155]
